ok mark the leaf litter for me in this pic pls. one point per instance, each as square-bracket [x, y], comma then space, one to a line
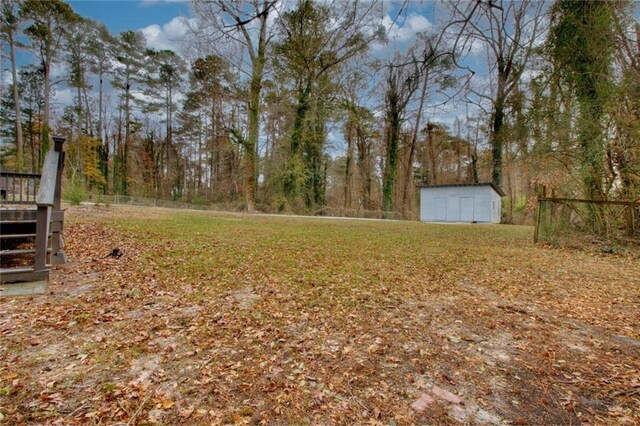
[227, 319]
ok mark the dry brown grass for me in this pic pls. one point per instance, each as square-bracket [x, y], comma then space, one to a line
[217, 319]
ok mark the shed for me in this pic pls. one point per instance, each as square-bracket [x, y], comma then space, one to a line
[461, 202]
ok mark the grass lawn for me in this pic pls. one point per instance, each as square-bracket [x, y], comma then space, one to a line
[232, 319]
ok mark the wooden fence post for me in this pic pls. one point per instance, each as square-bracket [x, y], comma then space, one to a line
[537, 227]
[541, 192]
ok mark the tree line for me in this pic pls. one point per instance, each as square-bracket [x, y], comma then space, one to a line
[291, 106]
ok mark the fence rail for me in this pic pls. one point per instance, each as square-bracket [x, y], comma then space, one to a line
[562, 219]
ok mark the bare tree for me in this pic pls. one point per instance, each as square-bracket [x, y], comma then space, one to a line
[9, 21]
[436, 64]
[48, 22]
[245, 24]
[508, 31]
[402, 81]
[316, 41]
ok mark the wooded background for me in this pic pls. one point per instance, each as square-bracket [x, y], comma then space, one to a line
[287, 106]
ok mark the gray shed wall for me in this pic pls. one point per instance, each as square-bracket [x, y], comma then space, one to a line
[460, 204]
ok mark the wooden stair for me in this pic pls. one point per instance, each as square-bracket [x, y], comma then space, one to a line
[31, 226]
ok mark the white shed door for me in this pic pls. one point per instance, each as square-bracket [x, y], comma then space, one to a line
[440, 209]
[466, 209]
[453, 209]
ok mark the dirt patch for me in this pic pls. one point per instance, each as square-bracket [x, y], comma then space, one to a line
[143, 368]
[246, 297]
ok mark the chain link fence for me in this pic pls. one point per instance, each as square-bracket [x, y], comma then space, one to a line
[153, 202]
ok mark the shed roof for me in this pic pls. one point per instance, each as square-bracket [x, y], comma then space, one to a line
[445, 185]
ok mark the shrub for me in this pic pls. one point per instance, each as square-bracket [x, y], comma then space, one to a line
[101, 199]
[74, 194]
[200, 200]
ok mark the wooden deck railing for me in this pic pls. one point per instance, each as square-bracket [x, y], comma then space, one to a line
[49, 206]
[48, 215]
[18, 188]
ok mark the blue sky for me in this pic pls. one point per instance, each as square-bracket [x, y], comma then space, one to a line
[163, 27]
[121, 15]
[160, 22]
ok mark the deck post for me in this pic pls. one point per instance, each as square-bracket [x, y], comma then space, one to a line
[58, 255]
[43, 216]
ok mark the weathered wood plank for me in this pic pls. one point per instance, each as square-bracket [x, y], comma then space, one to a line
[16, 236]
[42, 236]
[57, 215]
[58, 255]
[58, 143]
[13, 275]
[47, 190]
[17, 214]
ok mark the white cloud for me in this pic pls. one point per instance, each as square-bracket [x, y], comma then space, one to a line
[168, 36]
[402, 32]
[6, 78]
[475, 47]
[530, 74]
[413, 25]
[59, 70]
[65, 96]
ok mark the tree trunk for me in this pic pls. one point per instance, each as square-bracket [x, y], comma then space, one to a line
[87, 116]
[363, 166]
[171, 167]
[16, 101]
[318, 165]
[250, 158]
[301, 113]
[496, 138]
[118, 151]
[104, 154]
[291, 188]
[79, 112]
[592, 149]
[458, 153]
[124, 173]
[391, 166]
[100, 107]
[31, 141]
[199, 173]
[348, 167]
[433, 172]
[44, 147]
[414, 141]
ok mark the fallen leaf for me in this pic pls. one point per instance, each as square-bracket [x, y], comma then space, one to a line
[186, 413]
[446, 395]
[422, 403]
